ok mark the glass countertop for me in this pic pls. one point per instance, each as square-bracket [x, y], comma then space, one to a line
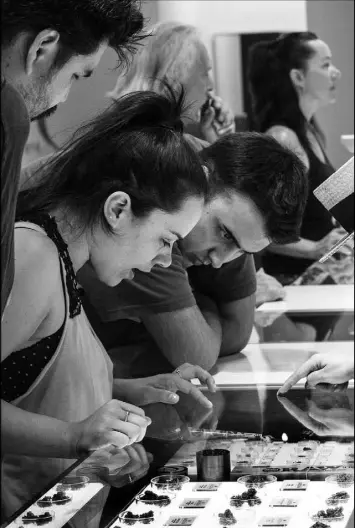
[241, 416]
[246, 409]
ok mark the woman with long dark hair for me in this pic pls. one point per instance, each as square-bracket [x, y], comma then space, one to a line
[117, 197]
[290, 78]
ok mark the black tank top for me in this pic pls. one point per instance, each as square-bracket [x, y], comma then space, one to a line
[316, 224]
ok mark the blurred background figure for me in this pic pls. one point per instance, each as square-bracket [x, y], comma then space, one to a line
[174, 53]
[291, 77]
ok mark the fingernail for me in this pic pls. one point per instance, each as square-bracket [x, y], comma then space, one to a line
[209, 404]
[149, 420]
[173, 398]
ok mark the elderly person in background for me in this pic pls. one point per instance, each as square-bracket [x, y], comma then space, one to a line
[174, 53]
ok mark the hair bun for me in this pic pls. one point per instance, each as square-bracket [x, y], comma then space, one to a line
[150, 109]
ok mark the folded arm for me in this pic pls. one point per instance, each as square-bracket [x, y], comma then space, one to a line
[186, 336]
[237, 319]
[199, 334]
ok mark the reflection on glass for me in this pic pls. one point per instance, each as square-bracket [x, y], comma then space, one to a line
[326, 413]
[276, 327]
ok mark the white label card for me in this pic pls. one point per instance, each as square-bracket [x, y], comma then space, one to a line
[295, 485]
[282, 502]
[274, 521]
[180, 520]
[194, 503]
[208, 486]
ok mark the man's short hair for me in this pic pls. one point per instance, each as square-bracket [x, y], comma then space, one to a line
[271, 175]
[82, 24]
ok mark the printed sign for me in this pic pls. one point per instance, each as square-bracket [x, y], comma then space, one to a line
[194, 503]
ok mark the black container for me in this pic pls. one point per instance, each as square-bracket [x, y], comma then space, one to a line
[213, 465]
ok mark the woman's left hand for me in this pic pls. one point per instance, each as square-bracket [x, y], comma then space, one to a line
[163, 387]
[217, 120]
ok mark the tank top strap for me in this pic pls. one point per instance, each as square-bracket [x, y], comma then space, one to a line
[49, 225]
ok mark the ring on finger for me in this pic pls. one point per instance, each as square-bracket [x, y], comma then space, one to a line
[126, 417]
[178, 372]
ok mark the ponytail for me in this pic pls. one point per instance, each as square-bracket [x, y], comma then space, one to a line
[136, 146]
[274, 98]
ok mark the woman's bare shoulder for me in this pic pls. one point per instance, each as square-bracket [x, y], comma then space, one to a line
[35, 253]
[34, 294]
[288, 137]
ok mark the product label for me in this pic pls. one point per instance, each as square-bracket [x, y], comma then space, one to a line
[207, 486]
[194, 503]
[294, 485]
[274, 521]
[281, 502]
[180, 520]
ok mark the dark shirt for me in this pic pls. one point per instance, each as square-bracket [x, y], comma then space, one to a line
[115, 313]
[15, 127]
[316, 222]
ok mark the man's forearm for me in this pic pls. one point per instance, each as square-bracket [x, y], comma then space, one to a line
[235, 337]
[190, 335]
[237, 323]
[233, 331]
[304, 248]
[210, 312]
[119, 388]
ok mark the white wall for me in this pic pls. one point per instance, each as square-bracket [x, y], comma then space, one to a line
[234, 16]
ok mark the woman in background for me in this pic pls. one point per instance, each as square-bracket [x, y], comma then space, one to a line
[290, 78]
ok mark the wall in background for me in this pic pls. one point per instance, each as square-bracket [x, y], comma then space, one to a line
[333, 20]
[334, 23]
[87, 98]
[238, 16]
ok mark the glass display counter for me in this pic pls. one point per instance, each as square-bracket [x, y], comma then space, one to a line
[254, 459]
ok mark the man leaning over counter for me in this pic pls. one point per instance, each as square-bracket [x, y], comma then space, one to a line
[202, 306]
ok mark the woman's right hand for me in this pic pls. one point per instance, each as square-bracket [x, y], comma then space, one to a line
[107, 426]
[321, 247]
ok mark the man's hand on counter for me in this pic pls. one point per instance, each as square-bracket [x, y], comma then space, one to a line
[163, 387]
[322, 368]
